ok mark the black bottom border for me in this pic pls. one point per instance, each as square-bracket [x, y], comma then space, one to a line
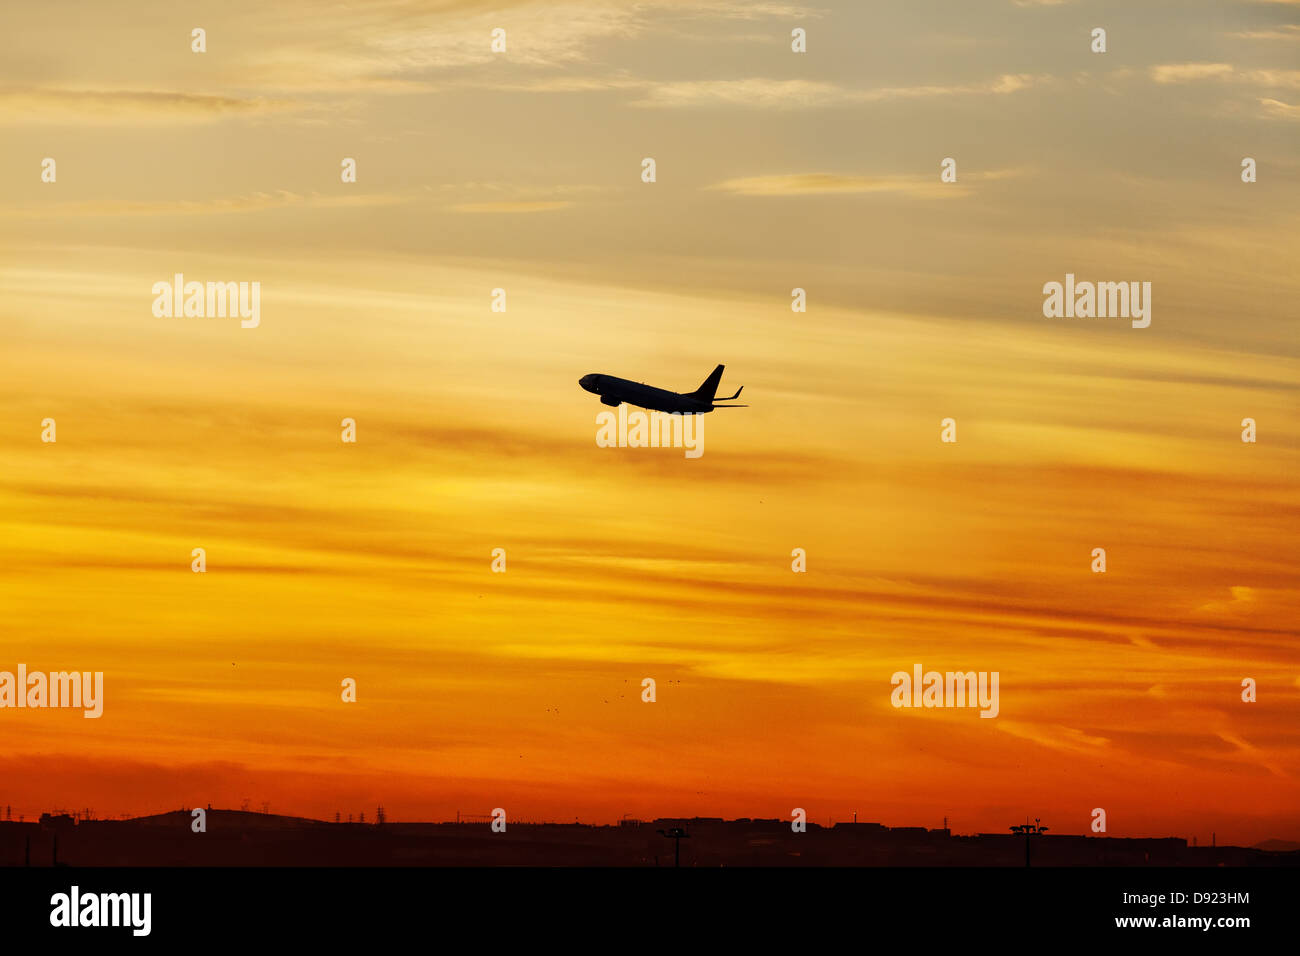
[949, 906]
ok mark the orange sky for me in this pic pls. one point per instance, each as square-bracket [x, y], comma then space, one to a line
[521, 690]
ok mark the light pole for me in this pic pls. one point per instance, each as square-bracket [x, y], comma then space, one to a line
[677, 835]
[1029, 830]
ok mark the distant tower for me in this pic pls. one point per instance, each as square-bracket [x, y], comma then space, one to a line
[362, 817]
[379, 815]
[336, 816]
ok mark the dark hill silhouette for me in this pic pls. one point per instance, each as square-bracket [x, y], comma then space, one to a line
[246, 819]
[1278, 846]
[243, 838]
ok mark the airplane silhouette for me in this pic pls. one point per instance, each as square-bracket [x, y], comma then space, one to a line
[614, 391]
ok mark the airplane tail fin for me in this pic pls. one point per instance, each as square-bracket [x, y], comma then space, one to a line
[706, 391]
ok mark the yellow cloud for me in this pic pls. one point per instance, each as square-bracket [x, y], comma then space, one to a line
[1189, 72]
[1285, 31]
[110, 106]
[180, 207]
[1276, 108]
[809, 184]
[1183, 72]
[762, 93]
[512, 206]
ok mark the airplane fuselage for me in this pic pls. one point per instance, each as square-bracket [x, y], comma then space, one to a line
[614, 391]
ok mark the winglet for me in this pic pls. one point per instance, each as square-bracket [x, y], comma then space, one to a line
[732, 397]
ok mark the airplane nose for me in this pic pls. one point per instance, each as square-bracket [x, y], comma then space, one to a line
[587, 381]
